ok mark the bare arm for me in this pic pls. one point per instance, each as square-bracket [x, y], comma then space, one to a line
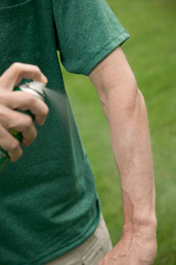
[124, 107]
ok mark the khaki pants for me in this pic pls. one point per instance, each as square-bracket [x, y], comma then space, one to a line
[90, 252]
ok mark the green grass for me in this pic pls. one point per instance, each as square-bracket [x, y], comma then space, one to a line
[152, 55]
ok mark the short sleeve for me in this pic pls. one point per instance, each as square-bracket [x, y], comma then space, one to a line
[87, 32]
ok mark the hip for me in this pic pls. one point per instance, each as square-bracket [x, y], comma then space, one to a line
[89, 252]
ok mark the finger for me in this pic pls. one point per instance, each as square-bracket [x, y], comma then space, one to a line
[10, 144]
[27, 128]
[27, 101]
[15, 153]
[20, 122]
[17, 71]
[29, 136]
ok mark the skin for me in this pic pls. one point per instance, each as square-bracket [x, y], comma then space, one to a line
[124, 107]
[10, 100]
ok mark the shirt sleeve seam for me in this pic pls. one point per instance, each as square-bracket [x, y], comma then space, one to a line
[109, 47]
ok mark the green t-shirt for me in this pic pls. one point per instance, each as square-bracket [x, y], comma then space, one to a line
[48, 201]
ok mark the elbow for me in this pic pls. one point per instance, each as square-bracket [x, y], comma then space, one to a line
[136, 102]
[131, 98]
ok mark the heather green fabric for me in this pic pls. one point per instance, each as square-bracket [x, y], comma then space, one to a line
[48, 201]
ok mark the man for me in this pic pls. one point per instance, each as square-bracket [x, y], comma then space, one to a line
[50, 211]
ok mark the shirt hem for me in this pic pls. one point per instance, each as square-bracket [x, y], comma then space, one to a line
[60, 252]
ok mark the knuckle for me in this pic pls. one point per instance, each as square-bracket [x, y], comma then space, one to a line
[36, 68]
[32, 136]
[15, 145]
[16, 66]
[43, 112]
[17, 69]
[28, 122]
[36, 71]
[30, 98]
[29, 138]
[46, 110]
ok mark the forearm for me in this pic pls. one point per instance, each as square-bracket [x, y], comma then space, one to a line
[124, 107]
[131, 146]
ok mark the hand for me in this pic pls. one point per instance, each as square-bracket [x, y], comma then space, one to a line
[11, 100]
[137, 249]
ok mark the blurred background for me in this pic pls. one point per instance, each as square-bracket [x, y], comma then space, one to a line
[151, 52]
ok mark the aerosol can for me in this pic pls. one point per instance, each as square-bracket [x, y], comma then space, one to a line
[35, 88]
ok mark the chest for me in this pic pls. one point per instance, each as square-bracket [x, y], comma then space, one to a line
[22, 31]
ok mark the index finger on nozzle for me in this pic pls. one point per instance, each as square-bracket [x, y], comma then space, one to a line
[17, 71]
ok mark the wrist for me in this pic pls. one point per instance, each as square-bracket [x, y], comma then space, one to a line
[141, 224]
[145, 221]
